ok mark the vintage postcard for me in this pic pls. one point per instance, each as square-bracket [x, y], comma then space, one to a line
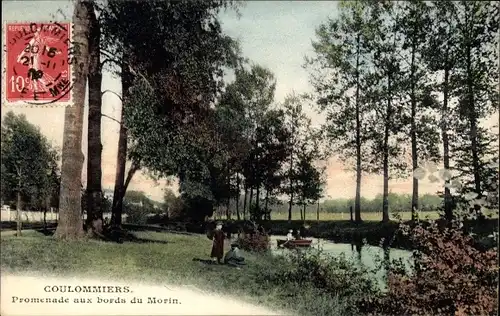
[213, 157]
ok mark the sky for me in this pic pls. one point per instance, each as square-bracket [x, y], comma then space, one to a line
[274, 34]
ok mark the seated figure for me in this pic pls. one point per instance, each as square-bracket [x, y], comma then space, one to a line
[232, 257]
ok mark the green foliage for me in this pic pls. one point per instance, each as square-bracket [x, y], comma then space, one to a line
[451, 276]
[334, 276]
[176, 73]
[339, 66]
[136, 214]
[169, 199]
[105, 203]
[254, 241]
[303, 177]
[29, 164]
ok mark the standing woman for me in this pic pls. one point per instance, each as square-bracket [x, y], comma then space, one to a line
[218, 243]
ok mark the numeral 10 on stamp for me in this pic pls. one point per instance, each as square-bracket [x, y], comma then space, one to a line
[38, 60]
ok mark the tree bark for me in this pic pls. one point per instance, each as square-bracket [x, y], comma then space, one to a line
[117, 208]
[121, 160]
[94, 152]
[70, 224]
[130, 174]
[357, 200]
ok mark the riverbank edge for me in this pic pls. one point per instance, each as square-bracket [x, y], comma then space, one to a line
[375, 233]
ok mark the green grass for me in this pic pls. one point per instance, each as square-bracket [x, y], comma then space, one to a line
[169, 262]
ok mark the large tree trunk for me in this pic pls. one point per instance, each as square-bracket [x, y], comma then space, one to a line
[70, 224]
[357, 200]
[448, 208]
[119, 192]
[94, 152]
[413, 135]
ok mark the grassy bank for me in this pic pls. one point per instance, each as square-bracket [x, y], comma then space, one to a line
[168, 258]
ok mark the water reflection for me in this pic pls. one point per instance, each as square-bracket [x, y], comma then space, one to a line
[371, 257]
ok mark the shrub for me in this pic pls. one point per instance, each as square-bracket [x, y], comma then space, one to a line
[177, 210]
[136, 214]
[334, 277]
[255, 241]
[451, 276]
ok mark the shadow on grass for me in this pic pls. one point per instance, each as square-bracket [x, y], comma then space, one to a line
[206, 261]
[122, 236]
[46, 232]
[114, 236]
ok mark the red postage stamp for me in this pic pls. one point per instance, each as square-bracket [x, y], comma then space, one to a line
[37, 63]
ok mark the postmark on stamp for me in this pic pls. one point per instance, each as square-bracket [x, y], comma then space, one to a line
[37, 64]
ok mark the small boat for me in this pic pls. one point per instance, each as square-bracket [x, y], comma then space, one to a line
[294, 243]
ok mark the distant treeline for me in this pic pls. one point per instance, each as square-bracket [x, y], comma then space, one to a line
[397, 202]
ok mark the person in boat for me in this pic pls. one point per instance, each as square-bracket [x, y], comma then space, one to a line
[297, 235]
[289, 237]
[217, 236]
[233, 257]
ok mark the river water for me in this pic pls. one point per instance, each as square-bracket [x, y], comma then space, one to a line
[360, 255]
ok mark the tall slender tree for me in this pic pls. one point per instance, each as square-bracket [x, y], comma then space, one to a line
[70, 224]
[338, 72]
[414, 27]
[296, 123]
[440, 55]
[476, 78]
[94, 146]
[385, 98]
